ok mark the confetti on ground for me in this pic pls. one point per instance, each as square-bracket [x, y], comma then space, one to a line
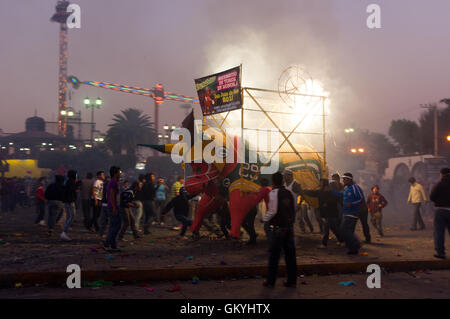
[99, 283]
[347, 283]
[364, 254]
[174, 288]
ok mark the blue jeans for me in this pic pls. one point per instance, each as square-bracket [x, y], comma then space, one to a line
[267, 230]
[185, 221]
[104, 220]
[70, 215]
[114, 228]
[441, 221]
[138, 212]
[348, 234]
[282, 239]
[333, 224]
[55, 208]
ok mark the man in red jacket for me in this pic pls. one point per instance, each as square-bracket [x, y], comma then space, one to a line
[376, 202]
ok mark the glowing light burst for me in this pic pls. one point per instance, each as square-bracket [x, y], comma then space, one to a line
[309, 106]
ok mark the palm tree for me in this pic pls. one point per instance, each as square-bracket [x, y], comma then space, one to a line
[129, 128]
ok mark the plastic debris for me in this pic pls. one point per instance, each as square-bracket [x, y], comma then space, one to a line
[347, 283]
[149, 289]
[214, 254]
[2, 242]
[150, 255]
[190, 257]
[18, 234]
[195, 278]
[18, 285]
[223, 263]
[109, 257]
[152, 242]
[93, 250]
[364, 254]
[99, 283]
[81, 231]
[130, 232]
[124, 255]
[174, 288]
[144, 284]
[258, 277]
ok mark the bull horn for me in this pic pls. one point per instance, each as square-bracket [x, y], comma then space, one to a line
[163, 148]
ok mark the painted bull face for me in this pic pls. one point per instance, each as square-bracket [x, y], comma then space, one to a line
[203, 175]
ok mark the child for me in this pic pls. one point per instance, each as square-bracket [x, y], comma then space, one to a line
[376, 202]
[180, 205]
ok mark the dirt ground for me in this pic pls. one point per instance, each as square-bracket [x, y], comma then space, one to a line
[411, 285]
[26, 247]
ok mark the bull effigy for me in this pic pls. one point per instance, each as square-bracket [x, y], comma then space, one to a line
[230, 167]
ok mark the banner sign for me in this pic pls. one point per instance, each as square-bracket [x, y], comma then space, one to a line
[220, 92]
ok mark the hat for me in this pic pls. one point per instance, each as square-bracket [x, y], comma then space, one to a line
[348, 175]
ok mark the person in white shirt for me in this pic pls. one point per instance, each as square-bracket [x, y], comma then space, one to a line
[416, 197]
[97, 196]
[281, 217]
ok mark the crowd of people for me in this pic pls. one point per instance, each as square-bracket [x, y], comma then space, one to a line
[146, 201]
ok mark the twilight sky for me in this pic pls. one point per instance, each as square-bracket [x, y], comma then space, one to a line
[372, 76]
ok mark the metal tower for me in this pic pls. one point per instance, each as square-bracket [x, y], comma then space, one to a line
[60, 16]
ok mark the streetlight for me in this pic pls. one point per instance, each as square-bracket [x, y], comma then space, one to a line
[355, 150]
[448, 138]
[88, 103]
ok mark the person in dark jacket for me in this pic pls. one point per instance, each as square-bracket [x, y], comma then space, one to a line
[70, 197]
[375, 203]
[440, 195]
[55, 195]
[281, 216]
[126, 203]
[148, 197]
[328, 208]
[352, 197]
[180, 205]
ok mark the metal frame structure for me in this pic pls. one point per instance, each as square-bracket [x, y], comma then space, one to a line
[60, 16]
[221, 120]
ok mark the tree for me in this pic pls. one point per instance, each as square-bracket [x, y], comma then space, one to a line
[427, 129]
[407, 135]
[129, 128]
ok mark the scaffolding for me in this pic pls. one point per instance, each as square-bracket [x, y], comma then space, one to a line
[263, 110]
